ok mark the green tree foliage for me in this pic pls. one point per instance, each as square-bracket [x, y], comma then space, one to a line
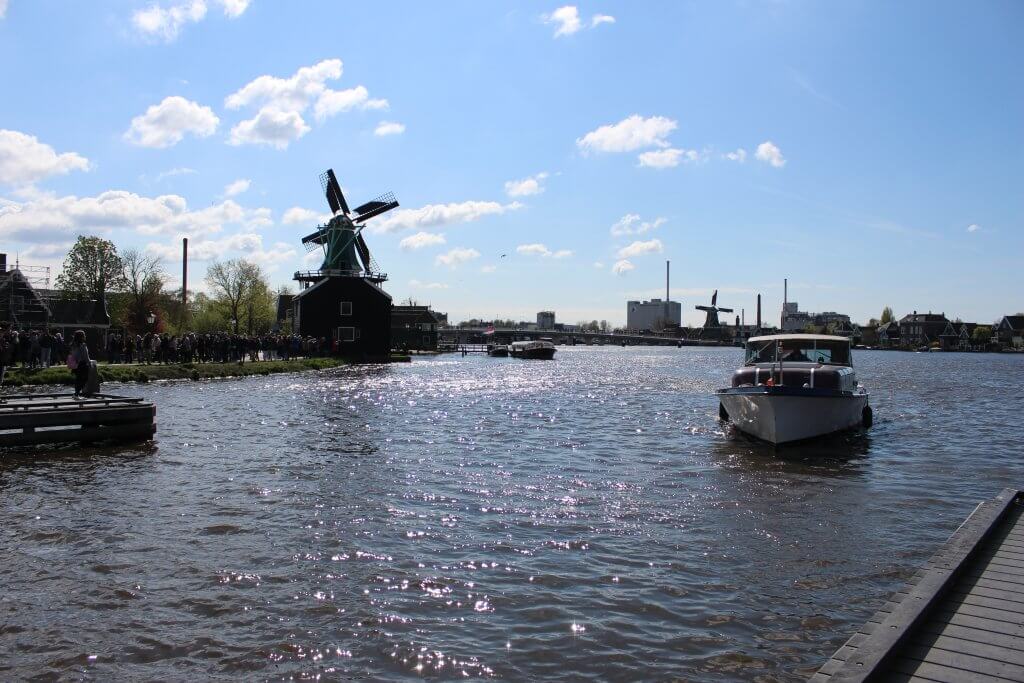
[887, 316]
[982, 335]
[143, 279]
[91, 269]
[241, 290]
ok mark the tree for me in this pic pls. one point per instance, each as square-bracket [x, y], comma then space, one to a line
[91, 268]
[887, 316]
[981, 335]
[143, 278]
[234, 282]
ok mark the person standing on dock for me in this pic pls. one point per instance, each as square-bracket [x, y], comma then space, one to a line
[79, 361]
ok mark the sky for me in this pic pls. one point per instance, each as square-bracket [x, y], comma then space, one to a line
[545, 156]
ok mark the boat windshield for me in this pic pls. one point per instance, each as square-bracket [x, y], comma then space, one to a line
[825, 351]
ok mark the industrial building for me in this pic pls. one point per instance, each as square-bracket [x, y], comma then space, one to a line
[653, 315]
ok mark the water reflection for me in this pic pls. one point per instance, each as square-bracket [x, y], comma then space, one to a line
[584, 519]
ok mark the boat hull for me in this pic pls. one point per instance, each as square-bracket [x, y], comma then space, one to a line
[535, 354]
[781, 415]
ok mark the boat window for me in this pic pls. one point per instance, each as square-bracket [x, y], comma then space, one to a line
[823, 351]
[760, 352]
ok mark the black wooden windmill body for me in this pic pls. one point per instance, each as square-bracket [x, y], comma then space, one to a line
[346, 253]
[711, 321]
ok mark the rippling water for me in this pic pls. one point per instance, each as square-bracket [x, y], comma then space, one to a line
[586, 518]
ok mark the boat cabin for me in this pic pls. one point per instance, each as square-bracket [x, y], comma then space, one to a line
[822, 349]
[812, 361]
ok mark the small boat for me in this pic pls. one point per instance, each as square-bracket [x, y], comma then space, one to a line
[497, 350]
[540, 349]
[794, 387]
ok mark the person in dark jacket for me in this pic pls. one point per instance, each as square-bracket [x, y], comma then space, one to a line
[80, 354]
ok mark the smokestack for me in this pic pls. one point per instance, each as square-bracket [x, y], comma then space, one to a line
[785, 298]
[666, 280]
[758, 312]
[184, 274]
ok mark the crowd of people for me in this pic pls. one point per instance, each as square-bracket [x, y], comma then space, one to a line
[219, 347]
[31, 348]
[42, 348]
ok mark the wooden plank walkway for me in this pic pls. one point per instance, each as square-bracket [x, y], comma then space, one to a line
[28, 419]
[960, 618]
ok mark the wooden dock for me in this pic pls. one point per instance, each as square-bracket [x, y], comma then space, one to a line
[28, 419]
[960, 618]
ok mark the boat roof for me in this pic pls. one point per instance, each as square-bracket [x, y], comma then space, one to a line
[800, 337]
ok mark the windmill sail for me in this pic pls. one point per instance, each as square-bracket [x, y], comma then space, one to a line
[332, 189]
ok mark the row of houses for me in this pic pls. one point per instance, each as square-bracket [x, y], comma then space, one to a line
[930, 329]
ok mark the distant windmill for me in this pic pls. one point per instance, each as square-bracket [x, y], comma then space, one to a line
[342, 239]
[711, 323]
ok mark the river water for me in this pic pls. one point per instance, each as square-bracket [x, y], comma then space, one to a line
[582, 519]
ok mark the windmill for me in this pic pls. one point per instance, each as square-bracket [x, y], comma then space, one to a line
[711, 322]
[345, 251]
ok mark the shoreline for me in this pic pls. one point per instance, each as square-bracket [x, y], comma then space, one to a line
[143, 374]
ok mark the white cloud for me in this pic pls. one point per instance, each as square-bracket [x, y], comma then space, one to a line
[427, 285]
[238, 187]
[533, 250]
[457, 256]
[567, 19]
[294, 93]
[180, 170]
[598, 264]
[234, 8]
[389, 128]
[24, 160]
[630, 224]
[332, 102]
[165, 23]
[433, 215]
[622, 266]
[246, 244]
[421, 240]
[165, 124]
[488, 269]
[661, 158]
[769, 153]
[282, 101]
[526, 186]
[297, 214]
[739, 155]
[3, 8]
[270, 127]
[55, 218]
[639, 248]
[630, 134]
[973, 227]
[537, 249]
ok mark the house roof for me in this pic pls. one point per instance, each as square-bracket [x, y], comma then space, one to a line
[78, 312]
[1016, 322]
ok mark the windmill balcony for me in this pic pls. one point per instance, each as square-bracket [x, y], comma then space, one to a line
[317, 275]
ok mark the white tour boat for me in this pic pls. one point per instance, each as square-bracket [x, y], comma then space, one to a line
[540, 349]
[795, 386]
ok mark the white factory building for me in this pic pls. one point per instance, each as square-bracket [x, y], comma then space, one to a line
[653, 315]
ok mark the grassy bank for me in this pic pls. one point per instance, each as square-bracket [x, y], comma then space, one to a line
[151, 373]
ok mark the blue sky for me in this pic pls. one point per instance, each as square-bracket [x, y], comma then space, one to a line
[873, 153]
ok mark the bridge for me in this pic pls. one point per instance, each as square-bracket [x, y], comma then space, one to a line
[507, 335]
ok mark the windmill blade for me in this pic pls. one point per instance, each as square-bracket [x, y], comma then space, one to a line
[364, 251]
[375, 207]
[312, 240]
[333, 191]
[725, 310]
